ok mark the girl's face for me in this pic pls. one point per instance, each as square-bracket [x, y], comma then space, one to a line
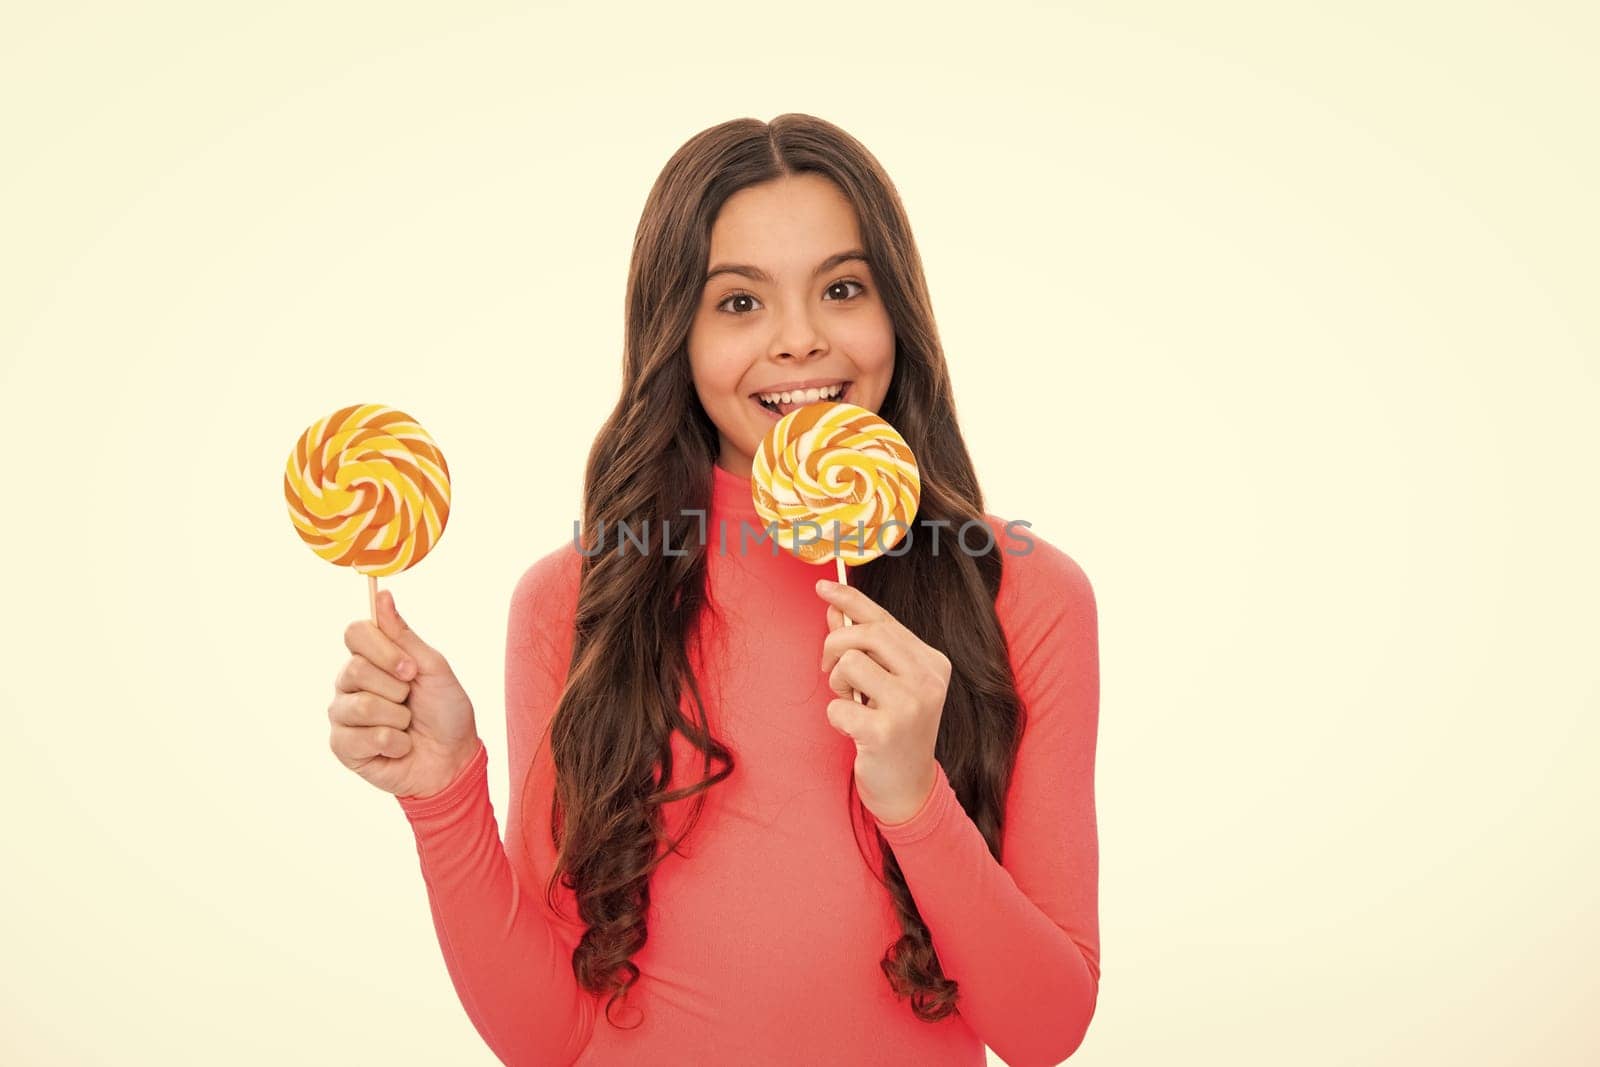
[790, 306]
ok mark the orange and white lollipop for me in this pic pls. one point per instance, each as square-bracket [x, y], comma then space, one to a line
[368, 489]
[844, 469]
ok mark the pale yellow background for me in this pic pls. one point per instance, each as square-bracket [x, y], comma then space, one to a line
[1279, 320]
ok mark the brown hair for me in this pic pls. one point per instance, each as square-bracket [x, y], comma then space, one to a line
[611, 732]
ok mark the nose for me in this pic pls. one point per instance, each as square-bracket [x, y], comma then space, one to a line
[797, 337]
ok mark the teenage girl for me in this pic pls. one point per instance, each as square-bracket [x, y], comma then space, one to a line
[715, 854]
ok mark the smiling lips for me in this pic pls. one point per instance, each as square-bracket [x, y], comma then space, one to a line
[782, 402]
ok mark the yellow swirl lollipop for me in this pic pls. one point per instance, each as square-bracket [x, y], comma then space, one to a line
[368, 489]
[844, 469]
[830, 463]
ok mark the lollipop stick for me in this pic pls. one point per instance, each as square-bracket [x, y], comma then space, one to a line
[839, 560]
[372, 595]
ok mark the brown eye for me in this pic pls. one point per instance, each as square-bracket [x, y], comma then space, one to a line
[732, 297]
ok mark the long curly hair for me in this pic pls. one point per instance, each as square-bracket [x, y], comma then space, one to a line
[611, 731]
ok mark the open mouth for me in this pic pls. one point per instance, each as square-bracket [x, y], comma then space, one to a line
[780, 407]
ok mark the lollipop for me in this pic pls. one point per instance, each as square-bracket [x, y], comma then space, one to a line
[368, 489]
[844, 469]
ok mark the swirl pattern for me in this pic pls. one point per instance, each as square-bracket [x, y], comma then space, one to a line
[833, 463]
[368, 489]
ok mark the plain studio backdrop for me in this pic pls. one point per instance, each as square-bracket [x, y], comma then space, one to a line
[1279, 321]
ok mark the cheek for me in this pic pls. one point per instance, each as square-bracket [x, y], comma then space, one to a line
[720, 377]
[716, 370]
[871, 343]
[716, 383]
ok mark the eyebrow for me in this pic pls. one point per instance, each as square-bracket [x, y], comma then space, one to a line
[757, 274]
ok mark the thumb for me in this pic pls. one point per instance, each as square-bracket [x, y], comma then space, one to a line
[396, 629]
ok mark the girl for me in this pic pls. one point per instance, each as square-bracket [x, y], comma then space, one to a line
[705, 829]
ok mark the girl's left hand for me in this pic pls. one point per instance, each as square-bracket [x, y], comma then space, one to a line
[904, 682]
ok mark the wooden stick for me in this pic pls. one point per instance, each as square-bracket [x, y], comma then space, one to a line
[839, 561]
[372, 596]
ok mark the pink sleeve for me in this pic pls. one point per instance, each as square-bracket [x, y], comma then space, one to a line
[510, 962]
[1022, 938]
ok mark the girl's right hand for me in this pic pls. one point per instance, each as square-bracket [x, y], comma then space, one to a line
[400, 719]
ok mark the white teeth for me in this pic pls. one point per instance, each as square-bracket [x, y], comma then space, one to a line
[808, 396]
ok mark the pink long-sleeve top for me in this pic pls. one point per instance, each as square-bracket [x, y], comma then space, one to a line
[764, 940]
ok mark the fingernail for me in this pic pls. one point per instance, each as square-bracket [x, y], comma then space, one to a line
[824, 585]
[405, 669]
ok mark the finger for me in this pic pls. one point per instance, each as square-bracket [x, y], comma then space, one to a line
[835, 618]
[858, 672]
[886, 644]
[852, 601]
[359, 673]
[397, 630]
[849, 718]
[357, 744]
[368, 709]
[364, 639]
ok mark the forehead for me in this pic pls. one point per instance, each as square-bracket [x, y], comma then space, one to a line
[789, 222]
